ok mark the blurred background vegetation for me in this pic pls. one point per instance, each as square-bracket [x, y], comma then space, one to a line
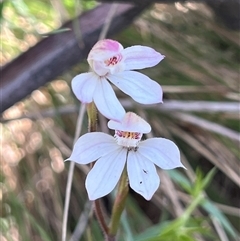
[200, 79]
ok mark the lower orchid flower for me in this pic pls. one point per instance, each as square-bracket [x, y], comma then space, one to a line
[112, 154]
[109, 61]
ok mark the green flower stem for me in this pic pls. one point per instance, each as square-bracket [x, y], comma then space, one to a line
[119, 205]
[92, 117]
[92, 127]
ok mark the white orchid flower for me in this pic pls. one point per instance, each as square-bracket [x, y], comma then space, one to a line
[113, 153]
[109, 61]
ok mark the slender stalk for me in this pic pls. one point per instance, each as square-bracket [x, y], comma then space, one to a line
[92, 117]
[100, 216]
[108, 21]
[119, 205]
[92, 127]
[70, 174]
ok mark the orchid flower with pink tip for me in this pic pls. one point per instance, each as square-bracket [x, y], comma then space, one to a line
[113, 153]
[109, 61]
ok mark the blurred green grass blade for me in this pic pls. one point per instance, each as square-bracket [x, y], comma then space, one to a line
[169, 230]
[207, 180]
[38, 228]
[22, 8]
[207, 205]
[133, 210]
[216, 213]
[4, 225]
[185, 238]
[1, 9]
[4, 228]
[126, 227]
[202, 182]
[57, 31]
[152, 233]
[22, 213]
[181, 179]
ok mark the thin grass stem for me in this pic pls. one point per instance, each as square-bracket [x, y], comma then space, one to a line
[70, 173]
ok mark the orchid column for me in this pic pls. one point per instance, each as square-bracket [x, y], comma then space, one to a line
[123, 158]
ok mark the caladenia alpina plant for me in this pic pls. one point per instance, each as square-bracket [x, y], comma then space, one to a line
[125, 150]
[121, 159]
[109, 61]
[126, 159]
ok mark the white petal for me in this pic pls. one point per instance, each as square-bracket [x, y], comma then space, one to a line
[92, 146]
[105, 174]
[130, 122]
[140, 57]
[141, 88]
[142, 174]
[163, 152]
[107, 102]
[84, 85]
